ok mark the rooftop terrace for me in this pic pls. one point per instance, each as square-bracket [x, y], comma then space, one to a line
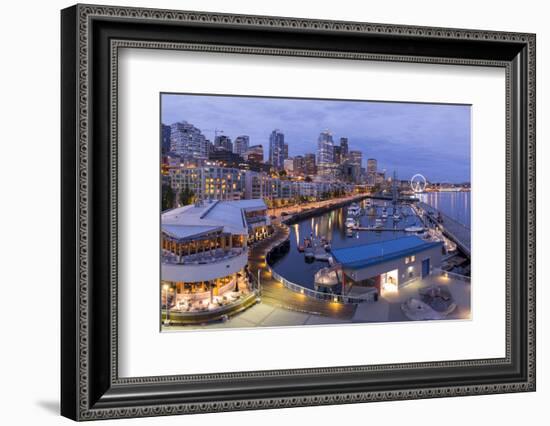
[195, 220]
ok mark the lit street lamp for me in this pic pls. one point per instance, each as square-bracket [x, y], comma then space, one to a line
[259, 284]
[167, 319]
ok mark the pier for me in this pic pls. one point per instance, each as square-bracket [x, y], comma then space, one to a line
[452, 229]
[375, 229]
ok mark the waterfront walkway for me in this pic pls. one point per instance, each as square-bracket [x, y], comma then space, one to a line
[456, 231]
[275, 294]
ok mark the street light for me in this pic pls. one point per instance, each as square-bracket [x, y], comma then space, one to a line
[259, 283]
[165, 288]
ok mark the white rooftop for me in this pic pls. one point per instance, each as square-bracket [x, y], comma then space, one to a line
[193, 220]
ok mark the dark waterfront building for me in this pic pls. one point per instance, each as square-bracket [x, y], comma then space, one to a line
[277, 149]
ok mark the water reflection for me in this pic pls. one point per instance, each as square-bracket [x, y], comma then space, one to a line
[331, 226]
[453, 204]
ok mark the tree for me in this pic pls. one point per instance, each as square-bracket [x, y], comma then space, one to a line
[186, 196]
[168, 197]
[307, 179]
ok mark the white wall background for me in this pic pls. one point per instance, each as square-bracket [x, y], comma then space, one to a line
[29, 212]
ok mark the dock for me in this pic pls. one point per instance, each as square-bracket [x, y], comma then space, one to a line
[452, 229]
[375, 229]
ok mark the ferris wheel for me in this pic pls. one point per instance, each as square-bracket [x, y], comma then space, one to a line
[418, 183]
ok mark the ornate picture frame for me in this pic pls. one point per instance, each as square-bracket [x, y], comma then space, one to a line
[90, 39]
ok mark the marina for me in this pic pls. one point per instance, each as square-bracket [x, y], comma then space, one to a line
[304, 267]
[270, 232]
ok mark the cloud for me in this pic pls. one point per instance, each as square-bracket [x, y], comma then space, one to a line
[432, 139]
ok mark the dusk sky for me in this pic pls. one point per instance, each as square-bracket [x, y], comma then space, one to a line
[432, 139]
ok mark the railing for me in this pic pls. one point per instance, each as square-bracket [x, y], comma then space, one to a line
[211, 256]
[457, 231]
[197, 317]
[441, 272]
[328, 297]
[255, 219]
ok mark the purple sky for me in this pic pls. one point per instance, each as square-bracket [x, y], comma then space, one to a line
[432, 139]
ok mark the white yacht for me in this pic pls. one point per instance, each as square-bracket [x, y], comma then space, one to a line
[420, 231]
[354, 210]
[351, 223]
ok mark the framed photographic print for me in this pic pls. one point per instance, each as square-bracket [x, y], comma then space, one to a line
[292, 212]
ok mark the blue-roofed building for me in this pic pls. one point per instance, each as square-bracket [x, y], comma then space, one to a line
[389, 264]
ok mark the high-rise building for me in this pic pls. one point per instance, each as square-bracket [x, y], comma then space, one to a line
[165, 139]
[289, 165]
[285, 151]
[351, 172]
[187, 141]
[337, 154]
[223, 142]
[355, 157]
[255, 154]
[241, 144]
[310, 165]
[209, 147]
[277, 149]
[344, 149]
[372, 166]
[325, 148]
[299, 165]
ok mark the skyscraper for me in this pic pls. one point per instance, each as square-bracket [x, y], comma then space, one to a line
[241, 144]
[223, 142]
[255, 154]
[344, 149]
[285, 151]
[299, 165]
[277, 149]
[310, 166]
[187, 141]
[325, 149]
[355, 157]
[337, 154]
[165, 141]
[372, 166]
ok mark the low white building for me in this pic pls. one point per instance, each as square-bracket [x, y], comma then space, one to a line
[205, 248]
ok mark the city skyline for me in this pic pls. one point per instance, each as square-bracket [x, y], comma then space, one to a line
[433, 139]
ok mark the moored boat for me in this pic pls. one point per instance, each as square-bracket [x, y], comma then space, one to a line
[354, 210]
